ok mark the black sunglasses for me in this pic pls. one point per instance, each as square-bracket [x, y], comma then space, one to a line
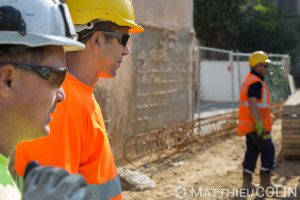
[54, 75]
[122, 37]
[265, 66]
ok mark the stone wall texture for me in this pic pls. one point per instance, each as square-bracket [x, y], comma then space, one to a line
[153, 87]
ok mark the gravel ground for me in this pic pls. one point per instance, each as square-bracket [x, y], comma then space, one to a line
[214, 171]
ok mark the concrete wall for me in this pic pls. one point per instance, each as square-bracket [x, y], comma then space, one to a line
[167, 14]
[162, 80]
[216, 81]
[153, 87]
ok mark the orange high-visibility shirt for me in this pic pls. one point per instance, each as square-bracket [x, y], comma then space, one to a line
[246, 121]
[77, 142]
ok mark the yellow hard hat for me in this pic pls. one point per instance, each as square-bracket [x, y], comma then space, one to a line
[258, 57]
[117, 11]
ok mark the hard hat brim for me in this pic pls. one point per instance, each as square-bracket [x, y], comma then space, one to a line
[90, 15]
[268, 61]
[38, 40]
[136, 29]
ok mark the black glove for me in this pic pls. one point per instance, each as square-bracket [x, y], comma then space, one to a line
[49, 183]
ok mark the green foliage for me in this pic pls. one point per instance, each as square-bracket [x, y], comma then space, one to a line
[216, 22]
[277, 83]
[268, 28]
[260, 8]
[247, 26]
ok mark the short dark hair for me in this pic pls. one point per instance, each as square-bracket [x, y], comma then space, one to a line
[100, 26]
[22, 54]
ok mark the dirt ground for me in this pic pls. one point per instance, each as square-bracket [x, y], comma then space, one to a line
[214, 171]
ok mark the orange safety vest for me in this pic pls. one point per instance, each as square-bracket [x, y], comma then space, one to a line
[77, 142]
[246, 121]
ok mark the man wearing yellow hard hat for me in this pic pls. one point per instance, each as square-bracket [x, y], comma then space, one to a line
[78, 141]
[255, 121]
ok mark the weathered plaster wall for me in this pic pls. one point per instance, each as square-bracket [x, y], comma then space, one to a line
[153, 87]
[170, 14]
[162, 79]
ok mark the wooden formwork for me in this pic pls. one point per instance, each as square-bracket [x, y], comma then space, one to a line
[291, 127]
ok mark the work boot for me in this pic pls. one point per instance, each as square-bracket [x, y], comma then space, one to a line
[247, 182]
[265, 181]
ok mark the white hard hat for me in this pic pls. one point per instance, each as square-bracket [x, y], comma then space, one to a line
[36, 23]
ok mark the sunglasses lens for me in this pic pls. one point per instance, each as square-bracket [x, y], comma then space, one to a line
[62, 77]
[57, 78]
[125, 39]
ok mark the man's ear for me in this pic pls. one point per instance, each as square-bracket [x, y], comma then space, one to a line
[96, 40]
[7, 75]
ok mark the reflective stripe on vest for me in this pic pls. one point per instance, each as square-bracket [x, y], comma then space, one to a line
[247, 124]
[108, 190]
[260, 105]
[250, 79]
[264, 103]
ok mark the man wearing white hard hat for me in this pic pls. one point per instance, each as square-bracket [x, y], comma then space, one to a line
[33, 38]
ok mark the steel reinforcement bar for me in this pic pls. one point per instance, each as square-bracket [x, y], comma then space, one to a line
[154, 145]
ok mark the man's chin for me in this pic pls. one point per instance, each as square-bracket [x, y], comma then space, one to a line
[114, 73]
[46, 131]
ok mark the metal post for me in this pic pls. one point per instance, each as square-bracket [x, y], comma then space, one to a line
[195, 75]
[239, 69]
[198, 90]
[198, 85]
[232, 77]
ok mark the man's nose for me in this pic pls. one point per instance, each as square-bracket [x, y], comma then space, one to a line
[126, 50]
[60, 95]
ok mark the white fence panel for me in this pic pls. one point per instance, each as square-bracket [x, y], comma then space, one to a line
[215, 80]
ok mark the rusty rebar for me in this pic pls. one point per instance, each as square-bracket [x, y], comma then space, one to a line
[154, 145]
